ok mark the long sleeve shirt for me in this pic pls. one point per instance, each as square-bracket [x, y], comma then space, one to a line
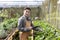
[21, 23]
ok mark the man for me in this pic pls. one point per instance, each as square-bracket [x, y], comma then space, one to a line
[25, 24]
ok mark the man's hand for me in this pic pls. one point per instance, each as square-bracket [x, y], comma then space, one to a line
[29, 27]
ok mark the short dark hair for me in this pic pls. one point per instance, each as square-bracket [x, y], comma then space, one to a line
[27, 8]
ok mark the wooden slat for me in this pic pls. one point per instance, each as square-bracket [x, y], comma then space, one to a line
[10, 36]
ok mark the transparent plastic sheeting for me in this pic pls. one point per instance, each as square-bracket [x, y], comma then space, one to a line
[12, 3]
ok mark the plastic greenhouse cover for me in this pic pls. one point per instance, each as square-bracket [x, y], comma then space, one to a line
[20, 3]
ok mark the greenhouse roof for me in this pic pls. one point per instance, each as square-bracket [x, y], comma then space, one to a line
[20, 3]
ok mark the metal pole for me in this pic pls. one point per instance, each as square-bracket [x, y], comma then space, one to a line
[48, 10]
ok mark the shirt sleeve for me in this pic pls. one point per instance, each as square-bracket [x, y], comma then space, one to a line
[20, 22]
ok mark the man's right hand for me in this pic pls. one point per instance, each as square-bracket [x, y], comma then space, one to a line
[30, 28]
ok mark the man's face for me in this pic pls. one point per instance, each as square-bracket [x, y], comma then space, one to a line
[27, 12]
